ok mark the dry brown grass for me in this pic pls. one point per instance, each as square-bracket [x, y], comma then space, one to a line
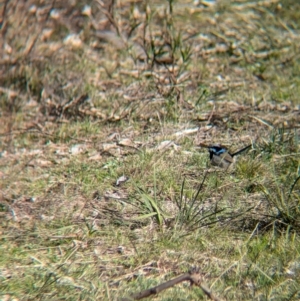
[91, 91]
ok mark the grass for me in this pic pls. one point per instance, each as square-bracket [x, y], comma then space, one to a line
[80, 115]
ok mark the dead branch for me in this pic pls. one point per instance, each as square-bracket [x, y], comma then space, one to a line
[192, 276]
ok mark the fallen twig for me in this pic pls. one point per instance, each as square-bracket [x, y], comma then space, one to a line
[193, 276]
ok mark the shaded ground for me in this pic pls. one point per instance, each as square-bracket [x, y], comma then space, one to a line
[106, 109]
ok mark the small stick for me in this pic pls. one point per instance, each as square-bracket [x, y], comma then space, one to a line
[193, 276]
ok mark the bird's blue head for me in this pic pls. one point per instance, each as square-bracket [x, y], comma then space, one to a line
[216, 150]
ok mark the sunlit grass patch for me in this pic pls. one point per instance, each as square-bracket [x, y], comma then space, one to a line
[106, 189]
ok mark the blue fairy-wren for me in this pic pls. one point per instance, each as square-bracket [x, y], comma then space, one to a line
[220, 156]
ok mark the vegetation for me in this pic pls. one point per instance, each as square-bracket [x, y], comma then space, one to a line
[106, 187]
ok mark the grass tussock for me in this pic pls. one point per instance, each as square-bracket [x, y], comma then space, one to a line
[106, 188]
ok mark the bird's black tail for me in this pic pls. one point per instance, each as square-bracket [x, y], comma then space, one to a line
[241, 150]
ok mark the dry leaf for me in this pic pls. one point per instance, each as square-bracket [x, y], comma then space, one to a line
[121, 180]
[108, 146]
[126, 142]
[95, 157]
[77, 149]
